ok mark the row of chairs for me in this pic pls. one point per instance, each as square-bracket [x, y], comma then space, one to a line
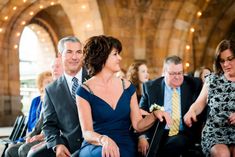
[17, 134]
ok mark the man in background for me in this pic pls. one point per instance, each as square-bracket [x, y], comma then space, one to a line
[175, 92]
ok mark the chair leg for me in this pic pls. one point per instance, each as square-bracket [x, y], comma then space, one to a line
[6, 146]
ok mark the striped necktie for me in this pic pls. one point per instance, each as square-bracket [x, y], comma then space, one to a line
[74, 87]
[175, 114]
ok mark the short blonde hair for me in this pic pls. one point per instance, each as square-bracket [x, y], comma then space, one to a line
[41, 77]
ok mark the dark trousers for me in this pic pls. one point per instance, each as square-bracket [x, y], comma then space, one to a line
[41, 151]
[173, 146]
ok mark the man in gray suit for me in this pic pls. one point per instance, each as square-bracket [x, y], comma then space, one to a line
[61, 124]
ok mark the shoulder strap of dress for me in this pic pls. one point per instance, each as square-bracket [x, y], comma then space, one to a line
[123, 84]
[88, 88]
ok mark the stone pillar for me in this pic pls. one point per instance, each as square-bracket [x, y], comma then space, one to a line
[10, 108]
[9, 81]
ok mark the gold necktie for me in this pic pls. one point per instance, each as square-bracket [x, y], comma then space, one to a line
[174, 129]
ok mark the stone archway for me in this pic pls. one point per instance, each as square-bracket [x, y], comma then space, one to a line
[17, 15]
[150, 30]
[57, 18]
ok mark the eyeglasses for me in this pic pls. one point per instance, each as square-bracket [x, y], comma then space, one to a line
[229, 59]
[176, 73]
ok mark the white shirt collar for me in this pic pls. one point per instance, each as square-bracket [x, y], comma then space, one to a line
[69, 79]
[170, 88]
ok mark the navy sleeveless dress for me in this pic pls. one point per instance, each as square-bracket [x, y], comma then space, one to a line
[115, 123]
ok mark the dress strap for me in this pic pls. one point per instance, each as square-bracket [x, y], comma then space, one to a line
[88, 88]
[123, 84]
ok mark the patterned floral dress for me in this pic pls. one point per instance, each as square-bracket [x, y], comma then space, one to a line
[221, 100]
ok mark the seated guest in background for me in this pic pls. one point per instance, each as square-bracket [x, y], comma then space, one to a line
[138, 74]
[218, 135]
[61, 124]
[107, 105]
[36, 105]
[121, 73]
[36, 136]
[34, 111]
[56, 68]
[202, 72]
[175, 92]
[43, 80]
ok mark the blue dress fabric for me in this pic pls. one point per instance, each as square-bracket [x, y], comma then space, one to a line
[34, 113]
[115, 123]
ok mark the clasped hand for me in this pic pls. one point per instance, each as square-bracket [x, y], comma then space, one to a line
[161, 115]
[190, 117]
[39, 137]
[109, 148]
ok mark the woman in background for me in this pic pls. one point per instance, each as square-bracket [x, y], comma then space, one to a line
[43, 79]
[33, 137]
[138, 74]
[121, 73]
[202, 72]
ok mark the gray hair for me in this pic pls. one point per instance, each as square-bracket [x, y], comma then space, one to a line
[172, 59]
[66, 39]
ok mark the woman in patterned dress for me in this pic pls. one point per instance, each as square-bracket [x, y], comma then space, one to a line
[218, 135]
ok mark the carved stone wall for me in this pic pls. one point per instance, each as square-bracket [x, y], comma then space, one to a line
[148, 29]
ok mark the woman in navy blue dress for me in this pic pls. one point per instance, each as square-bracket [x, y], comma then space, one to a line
[107, 105]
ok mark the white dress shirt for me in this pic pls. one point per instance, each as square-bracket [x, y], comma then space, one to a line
[69, 79]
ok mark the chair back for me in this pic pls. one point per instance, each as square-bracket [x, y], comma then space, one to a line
[154, 144]
[19, 128]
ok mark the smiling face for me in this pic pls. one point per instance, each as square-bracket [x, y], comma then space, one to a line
[72, 57]
[113, 61]
[227, 62]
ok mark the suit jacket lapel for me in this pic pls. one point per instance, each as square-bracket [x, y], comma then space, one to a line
[183, 98]
[67, 93]
[161, 93]
[156, 92]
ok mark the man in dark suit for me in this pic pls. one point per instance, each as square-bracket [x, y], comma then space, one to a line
[160, 91]
[61, 124]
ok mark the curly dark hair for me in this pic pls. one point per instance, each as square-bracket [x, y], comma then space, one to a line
[97, 50]
[223, 45]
